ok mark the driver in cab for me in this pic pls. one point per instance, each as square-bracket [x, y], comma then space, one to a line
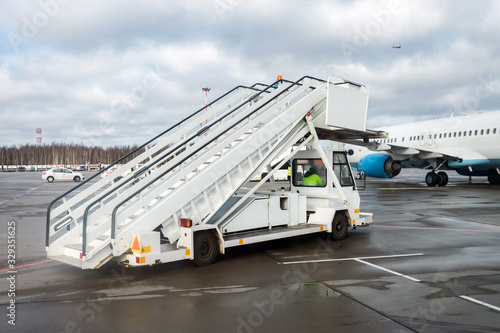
[311, 178]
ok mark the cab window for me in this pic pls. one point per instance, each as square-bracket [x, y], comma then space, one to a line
[309, 172]
[342, 169]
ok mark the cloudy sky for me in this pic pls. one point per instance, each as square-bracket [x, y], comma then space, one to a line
[119, 72]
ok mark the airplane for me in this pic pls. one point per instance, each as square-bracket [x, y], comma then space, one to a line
[467, 144]
[396, 47]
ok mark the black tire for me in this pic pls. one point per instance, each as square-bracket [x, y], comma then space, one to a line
[76, 179]
[442, 178]
[206, 248]
[339, 227]
[431, 179]
[50, 179]
[494, 178]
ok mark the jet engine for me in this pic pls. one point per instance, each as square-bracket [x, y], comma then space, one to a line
[379, 166]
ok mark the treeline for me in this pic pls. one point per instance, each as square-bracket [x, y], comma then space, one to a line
[67, 154]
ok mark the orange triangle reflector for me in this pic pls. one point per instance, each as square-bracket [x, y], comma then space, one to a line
[136, 246]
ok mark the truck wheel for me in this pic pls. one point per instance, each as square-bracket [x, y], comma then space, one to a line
[206, 248]
[339, 227]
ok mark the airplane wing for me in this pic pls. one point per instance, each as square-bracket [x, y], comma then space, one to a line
[402, 153]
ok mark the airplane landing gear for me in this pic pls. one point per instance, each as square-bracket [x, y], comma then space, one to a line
[433, 179]
[443, 178]
[494, 178]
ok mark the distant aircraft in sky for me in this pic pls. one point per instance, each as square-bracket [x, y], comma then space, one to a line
[396, 47]
[467, 144]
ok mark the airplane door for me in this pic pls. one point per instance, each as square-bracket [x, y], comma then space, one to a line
[421, 139]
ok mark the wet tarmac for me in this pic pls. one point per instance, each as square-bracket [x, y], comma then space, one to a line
[429, 263]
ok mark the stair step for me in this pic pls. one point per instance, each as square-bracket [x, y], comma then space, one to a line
[75, 250]
[103, 237]
[100, 238]
[68, 260]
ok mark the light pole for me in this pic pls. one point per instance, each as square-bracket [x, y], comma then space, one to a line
[206, 90]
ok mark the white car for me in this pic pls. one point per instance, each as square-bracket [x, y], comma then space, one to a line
[62, 174]
[109, 171]
[126, 173]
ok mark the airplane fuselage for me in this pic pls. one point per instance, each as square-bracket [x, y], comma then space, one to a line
[468, 144]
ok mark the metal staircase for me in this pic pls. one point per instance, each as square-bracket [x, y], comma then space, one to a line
[192, 170]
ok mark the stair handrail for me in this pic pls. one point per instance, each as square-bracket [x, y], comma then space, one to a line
[49, 208]
[165, 154]
[113, 215]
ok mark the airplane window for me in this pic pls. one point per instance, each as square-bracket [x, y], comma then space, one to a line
[482, 132]
[470, 133]
[494, 131]
[465, 133]
[454, 134]
[488, 131]
[475, 132]
[440, 135]
[403, 138]
[459, 133]
[445, 135]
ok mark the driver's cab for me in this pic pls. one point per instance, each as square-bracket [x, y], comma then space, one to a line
[310, 177]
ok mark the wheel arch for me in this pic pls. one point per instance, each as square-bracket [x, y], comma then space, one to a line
[340, 224]
[212, 228]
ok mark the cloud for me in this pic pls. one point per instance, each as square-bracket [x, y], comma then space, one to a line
[119, 72]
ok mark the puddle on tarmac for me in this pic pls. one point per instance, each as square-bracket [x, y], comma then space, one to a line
[313, 289]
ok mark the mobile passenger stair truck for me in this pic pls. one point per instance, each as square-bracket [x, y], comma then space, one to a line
[187, 201]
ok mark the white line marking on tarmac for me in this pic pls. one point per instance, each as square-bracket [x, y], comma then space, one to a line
[388, 270]
[433, 228]
[479, 302]
[345, 259]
